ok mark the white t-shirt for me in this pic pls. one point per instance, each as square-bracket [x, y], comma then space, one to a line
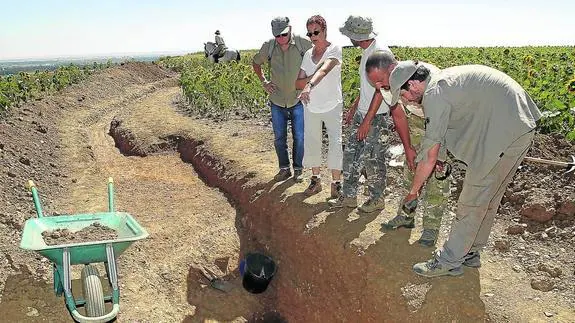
[366, 90]
[325, 95]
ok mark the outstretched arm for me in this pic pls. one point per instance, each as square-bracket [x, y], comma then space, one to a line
[314, 79]
[423, 171]
[363, 129]
[302, 79]
[402, 127]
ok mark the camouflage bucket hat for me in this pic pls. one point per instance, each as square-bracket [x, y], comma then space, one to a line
[358, 28]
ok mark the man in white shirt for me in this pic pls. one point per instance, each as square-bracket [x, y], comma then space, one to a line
[368, 115]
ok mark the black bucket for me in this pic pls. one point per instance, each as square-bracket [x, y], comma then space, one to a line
[259, 271]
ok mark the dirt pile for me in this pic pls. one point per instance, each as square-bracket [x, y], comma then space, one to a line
[31, 147]
[93, 232]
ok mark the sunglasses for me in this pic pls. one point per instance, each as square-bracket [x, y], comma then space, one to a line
[315, 33]
[282, 35]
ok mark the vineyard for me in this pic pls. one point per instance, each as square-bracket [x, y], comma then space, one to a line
[547, 73]
[333, 265]
[23, 87]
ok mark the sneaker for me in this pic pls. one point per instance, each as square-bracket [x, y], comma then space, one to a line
[335, 190]
[342, 201]
[428, 237]
[400, 221]
[297, 175]
[373, 205]
[472, 259]
[432, 268]
[314, 186]
[282, 175]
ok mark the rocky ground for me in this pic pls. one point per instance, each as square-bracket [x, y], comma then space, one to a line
[202, 189]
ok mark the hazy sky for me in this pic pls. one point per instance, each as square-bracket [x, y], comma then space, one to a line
[51, 28]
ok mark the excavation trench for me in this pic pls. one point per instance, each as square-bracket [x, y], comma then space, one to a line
[320, 277]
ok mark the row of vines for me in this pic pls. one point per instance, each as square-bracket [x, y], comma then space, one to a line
[547, 73]
[22, 87]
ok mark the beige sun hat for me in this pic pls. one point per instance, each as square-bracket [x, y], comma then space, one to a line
[400, 74]
[358, 28]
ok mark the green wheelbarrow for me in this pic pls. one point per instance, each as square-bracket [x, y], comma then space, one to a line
[63, 256]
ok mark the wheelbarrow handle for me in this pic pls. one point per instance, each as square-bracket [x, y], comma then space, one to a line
[110, 194]
[35, 198]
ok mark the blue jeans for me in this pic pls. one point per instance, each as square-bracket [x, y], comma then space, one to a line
[280, 117]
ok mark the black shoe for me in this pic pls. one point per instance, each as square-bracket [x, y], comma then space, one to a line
[472, 259]
[400, 221]
[297, 175]
[282, 175]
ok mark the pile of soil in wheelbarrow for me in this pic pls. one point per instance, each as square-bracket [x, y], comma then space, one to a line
[93, 232]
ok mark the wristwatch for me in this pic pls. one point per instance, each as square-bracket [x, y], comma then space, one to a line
[311, 85]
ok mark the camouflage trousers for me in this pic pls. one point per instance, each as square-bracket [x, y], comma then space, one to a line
[369, 154]
[434, 196]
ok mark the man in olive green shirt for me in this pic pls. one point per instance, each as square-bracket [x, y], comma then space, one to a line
[284, 54]
[486, 120]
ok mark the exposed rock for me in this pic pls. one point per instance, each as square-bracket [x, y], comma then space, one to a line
[25, 161]
[32, 312]
[502, 245]
[566, 210]
[538, 213]
[515, 229]
[42, 129]
[552, 269]
[539, 206]
[543, 284]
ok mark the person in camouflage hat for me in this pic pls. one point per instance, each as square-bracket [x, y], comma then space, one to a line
[368, 140]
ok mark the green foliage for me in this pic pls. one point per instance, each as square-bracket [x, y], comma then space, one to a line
[547, 73]
[22, 87]
[219, 89]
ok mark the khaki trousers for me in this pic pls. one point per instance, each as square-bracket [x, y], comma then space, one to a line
[478, 204]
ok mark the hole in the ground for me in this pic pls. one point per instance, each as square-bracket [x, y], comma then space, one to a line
[320, 277]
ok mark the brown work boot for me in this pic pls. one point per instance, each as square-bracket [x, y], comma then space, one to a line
[314, 186]
[342, 201]
[335, 190]
[373, 205]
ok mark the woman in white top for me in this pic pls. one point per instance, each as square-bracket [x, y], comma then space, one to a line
[320, 81]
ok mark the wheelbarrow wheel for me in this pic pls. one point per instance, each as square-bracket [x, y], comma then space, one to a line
[93, 293]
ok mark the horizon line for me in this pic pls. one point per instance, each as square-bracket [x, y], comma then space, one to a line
[183, 52]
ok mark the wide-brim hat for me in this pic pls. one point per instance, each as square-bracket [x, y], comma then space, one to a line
[358, 28]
